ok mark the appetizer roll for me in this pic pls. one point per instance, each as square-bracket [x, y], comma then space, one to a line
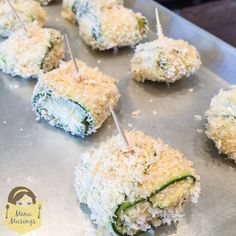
[164, 60]
[30, 55]
[106, 26]
[77, 103]
[28, 10]
[221, 127]
[129, 192]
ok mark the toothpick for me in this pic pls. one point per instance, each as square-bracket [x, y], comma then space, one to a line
[159, 27]
[71, 54]
[120, 130]
[17, 16]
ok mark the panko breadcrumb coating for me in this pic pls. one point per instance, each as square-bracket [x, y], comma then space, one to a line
[30, 55]
[77, 103]
[164, 60]
[28, 10]
[69, 7]
[129, 192]
[105, 26]
[221, 126]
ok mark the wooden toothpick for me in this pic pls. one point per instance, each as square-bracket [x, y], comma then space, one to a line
[159, 27]
[17, 16]
[71, 54]
[120, 130]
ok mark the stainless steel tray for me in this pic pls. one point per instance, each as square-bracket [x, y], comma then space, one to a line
[43, 158]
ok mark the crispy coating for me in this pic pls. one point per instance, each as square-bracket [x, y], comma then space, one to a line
[221, 126]
[164, 60]
[29, 11]
[17, 59]
[94, 91]
[106, 26]
[114, 176]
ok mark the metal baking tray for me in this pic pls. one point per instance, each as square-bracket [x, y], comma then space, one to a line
[43, 158]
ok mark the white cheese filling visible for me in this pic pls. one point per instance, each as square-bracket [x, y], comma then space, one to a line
[66, 113]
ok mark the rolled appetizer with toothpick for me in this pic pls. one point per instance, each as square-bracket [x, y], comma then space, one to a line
[76, 102]
[221, 122]
[104, 25]
[135, 187]
[28, 10]
[164, 60]
[28, 54]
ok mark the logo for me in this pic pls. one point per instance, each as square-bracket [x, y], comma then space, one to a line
[22, 213]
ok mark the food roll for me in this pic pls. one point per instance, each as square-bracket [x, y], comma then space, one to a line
[30, 55]
[164, 60]
[128, 192]
[77, 103]
[28, 10]
[106, 26]
[221, 122]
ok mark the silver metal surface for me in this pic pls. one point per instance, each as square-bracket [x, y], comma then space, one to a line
[43, 158]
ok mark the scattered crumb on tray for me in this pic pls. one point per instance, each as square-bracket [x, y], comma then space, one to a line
[4, 122]
[191, 90]
[21, 129]
[154, 112]
[130, 125]
[231, 168]
[150, 100]
[29, 179]
[13, 86]
[99, 61]
[197, 117]
[199, 131]
[136, 113]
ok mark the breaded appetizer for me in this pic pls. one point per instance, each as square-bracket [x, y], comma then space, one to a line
[164, 60]
[28, 10]
[77, 103]
[129, 192]
[30, 55]
[221, 126]
[105, 26]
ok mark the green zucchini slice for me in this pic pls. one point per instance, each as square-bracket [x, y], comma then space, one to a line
[155, 199]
